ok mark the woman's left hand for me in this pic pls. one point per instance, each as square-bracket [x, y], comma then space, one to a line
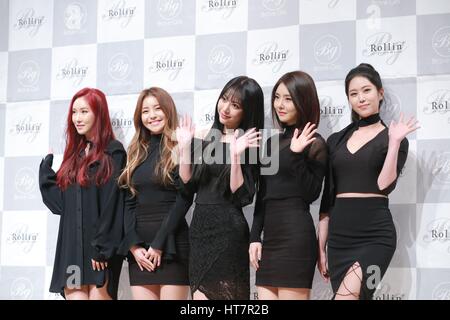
[301, 140]
[99, 265]
[250, 139]
[154, 255]
[399, 130]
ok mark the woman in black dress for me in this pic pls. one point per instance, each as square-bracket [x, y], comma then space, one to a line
[366, 159]
[286, 259]
[224, 182]
[156, 231]
[84, 192]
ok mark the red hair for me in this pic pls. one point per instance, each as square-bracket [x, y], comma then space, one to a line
[75, 169]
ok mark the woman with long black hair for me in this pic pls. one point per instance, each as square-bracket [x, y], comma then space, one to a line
[356, 231]
[224, 182]
[286, 258]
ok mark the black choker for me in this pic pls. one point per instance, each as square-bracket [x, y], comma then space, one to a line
[364, 122]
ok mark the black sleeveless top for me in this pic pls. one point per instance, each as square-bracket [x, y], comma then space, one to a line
[358, 172]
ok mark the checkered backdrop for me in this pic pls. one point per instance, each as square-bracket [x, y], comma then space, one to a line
[50, 49]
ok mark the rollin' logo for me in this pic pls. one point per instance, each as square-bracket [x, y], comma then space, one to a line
[331, 112]
[28, 20]
[71, 70]
[391, 108]
[220, 59]
[21, 237]
[28, 74]
[25, 183]
[438, 102]
[438, 230]
[441, 291]
[169, 9]
[225, 6]
[21, 289]
[382, 44]
[441, 42]
[327, 50]
[274, 5]
[384, 292]
[165, 61]
[269, 53]
[26, 127]
[121, 124]
[119, 11]
[120, 66]
[75, 16]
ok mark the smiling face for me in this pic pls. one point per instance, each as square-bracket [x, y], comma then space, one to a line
[230, 111]
[83, 117]
[364, 97]
[284, 106]
[152, 115]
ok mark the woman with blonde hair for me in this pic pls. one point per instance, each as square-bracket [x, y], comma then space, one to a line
[156, 233]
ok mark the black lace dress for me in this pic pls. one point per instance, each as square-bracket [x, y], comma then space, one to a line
[219, 233]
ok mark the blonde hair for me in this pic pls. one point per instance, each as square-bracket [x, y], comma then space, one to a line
[138, 148]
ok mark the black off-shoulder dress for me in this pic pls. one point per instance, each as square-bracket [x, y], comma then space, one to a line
[90, 227]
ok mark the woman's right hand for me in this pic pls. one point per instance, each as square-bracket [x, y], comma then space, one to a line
[139, 255]
[254, 252]
[322, 265]
[185, 132]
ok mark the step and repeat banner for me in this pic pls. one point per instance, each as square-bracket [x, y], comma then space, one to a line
[49, 49]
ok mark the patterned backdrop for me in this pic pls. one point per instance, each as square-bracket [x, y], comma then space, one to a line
[50, 49]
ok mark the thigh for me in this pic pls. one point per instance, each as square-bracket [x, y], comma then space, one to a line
[99, 293]
[267, 293]
[81, 293]
[293, 293]
[147, 292]
[174, 292]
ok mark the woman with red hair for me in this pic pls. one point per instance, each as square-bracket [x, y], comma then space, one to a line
[85, 193]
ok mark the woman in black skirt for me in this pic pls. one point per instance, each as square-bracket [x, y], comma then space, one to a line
[366, 159]
[84, 192]
[224, 181]
[286, 259]
[156, 233]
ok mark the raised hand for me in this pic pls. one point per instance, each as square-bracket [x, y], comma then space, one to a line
[185, 132]
[399, 130]
[250, 139]
[301, 140]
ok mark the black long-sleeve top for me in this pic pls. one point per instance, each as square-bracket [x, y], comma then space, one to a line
[358, 172]
[300, 175]
[211, 175]
[153, 196]
[91, 223]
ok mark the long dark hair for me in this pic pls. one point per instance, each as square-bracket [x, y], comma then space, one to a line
[74, 169]
[250, 96]
[303, 93]
[367, 71]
